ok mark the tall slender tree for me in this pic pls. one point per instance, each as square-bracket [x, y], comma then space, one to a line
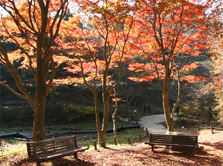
[97, 48]
[32, 25]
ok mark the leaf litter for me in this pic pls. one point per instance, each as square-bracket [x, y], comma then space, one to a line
[210, 153]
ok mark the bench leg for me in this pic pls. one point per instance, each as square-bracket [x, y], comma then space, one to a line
[153, 148]
[37, 163]
[75, 155]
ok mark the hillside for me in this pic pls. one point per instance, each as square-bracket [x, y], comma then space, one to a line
[136, 95]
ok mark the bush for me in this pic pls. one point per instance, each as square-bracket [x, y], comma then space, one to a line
[55, 113]
[24, 114]
[85, 111]
[204, 115]
[14, 115]
[181, 122]
[59, 113]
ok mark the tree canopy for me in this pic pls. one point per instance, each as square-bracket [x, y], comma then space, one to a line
[166, 35]
[33, 26]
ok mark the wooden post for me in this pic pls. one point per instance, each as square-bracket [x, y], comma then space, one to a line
[147, 133]
[197, 127]
[115, 141]
[95, 145]
[212, 132]
[129, 141]
[140, 138]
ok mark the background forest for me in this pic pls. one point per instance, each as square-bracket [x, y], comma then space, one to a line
[75, 103]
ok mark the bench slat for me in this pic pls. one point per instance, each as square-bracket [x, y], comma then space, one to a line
[52, 156]
[164, 144]
[50, 146]
[172, 140]
[53, 148]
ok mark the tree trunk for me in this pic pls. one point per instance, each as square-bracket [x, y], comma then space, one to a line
[114, 118]
[38, 123]
[114, 122]
[102, 137]
[127, 99]
[41, 76]
[39, 114]
[166, 107]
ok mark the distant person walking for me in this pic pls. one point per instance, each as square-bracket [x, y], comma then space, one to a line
[147, 108]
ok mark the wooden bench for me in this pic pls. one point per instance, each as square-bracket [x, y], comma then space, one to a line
[187, 141]
[53, 149]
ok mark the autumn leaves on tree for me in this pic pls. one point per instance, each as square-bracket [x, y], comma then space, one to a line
[33, 26]
[96, 40]
[215, 42]
[96, 44]
[166, 35]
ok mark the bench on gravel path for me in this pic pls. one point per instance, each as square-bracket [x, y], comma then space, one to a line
[185, 141]
[53, 148]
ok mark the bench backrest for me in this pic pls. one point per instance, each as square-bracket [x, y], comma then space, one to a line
[174, 139]
[51, 146]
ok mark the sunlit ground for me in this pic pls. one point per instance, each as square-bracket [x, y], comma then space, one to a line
[14, 153]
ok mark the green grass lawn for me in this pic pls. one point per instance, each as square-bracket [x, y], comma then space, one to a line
[83, 138]
[17, 146]
[12, 146]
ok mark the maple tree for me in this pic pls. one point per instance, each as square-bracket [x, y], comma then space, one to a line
[95, 41]
[33, 26]
[166, 34]
[216, 46]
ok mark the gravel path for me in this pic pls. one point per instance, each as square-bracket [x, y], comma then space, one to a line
[152, 122]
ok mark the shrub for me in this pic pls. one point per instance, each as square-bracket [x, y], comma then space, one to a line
[14, 115]
[186, 111]
[60, 113]
[85, 111]
[24, 114]
[181, 122]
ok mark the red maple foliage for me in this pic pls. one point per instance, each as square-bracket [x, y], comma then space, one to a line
[96, 46]
[165, 35]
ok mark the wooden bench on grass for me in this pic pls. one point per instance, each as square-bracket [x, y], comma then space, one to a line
[53, 149]
[185, 141]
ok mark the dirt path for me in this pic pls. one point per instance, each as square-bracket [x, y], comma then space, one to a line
[152, 122]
